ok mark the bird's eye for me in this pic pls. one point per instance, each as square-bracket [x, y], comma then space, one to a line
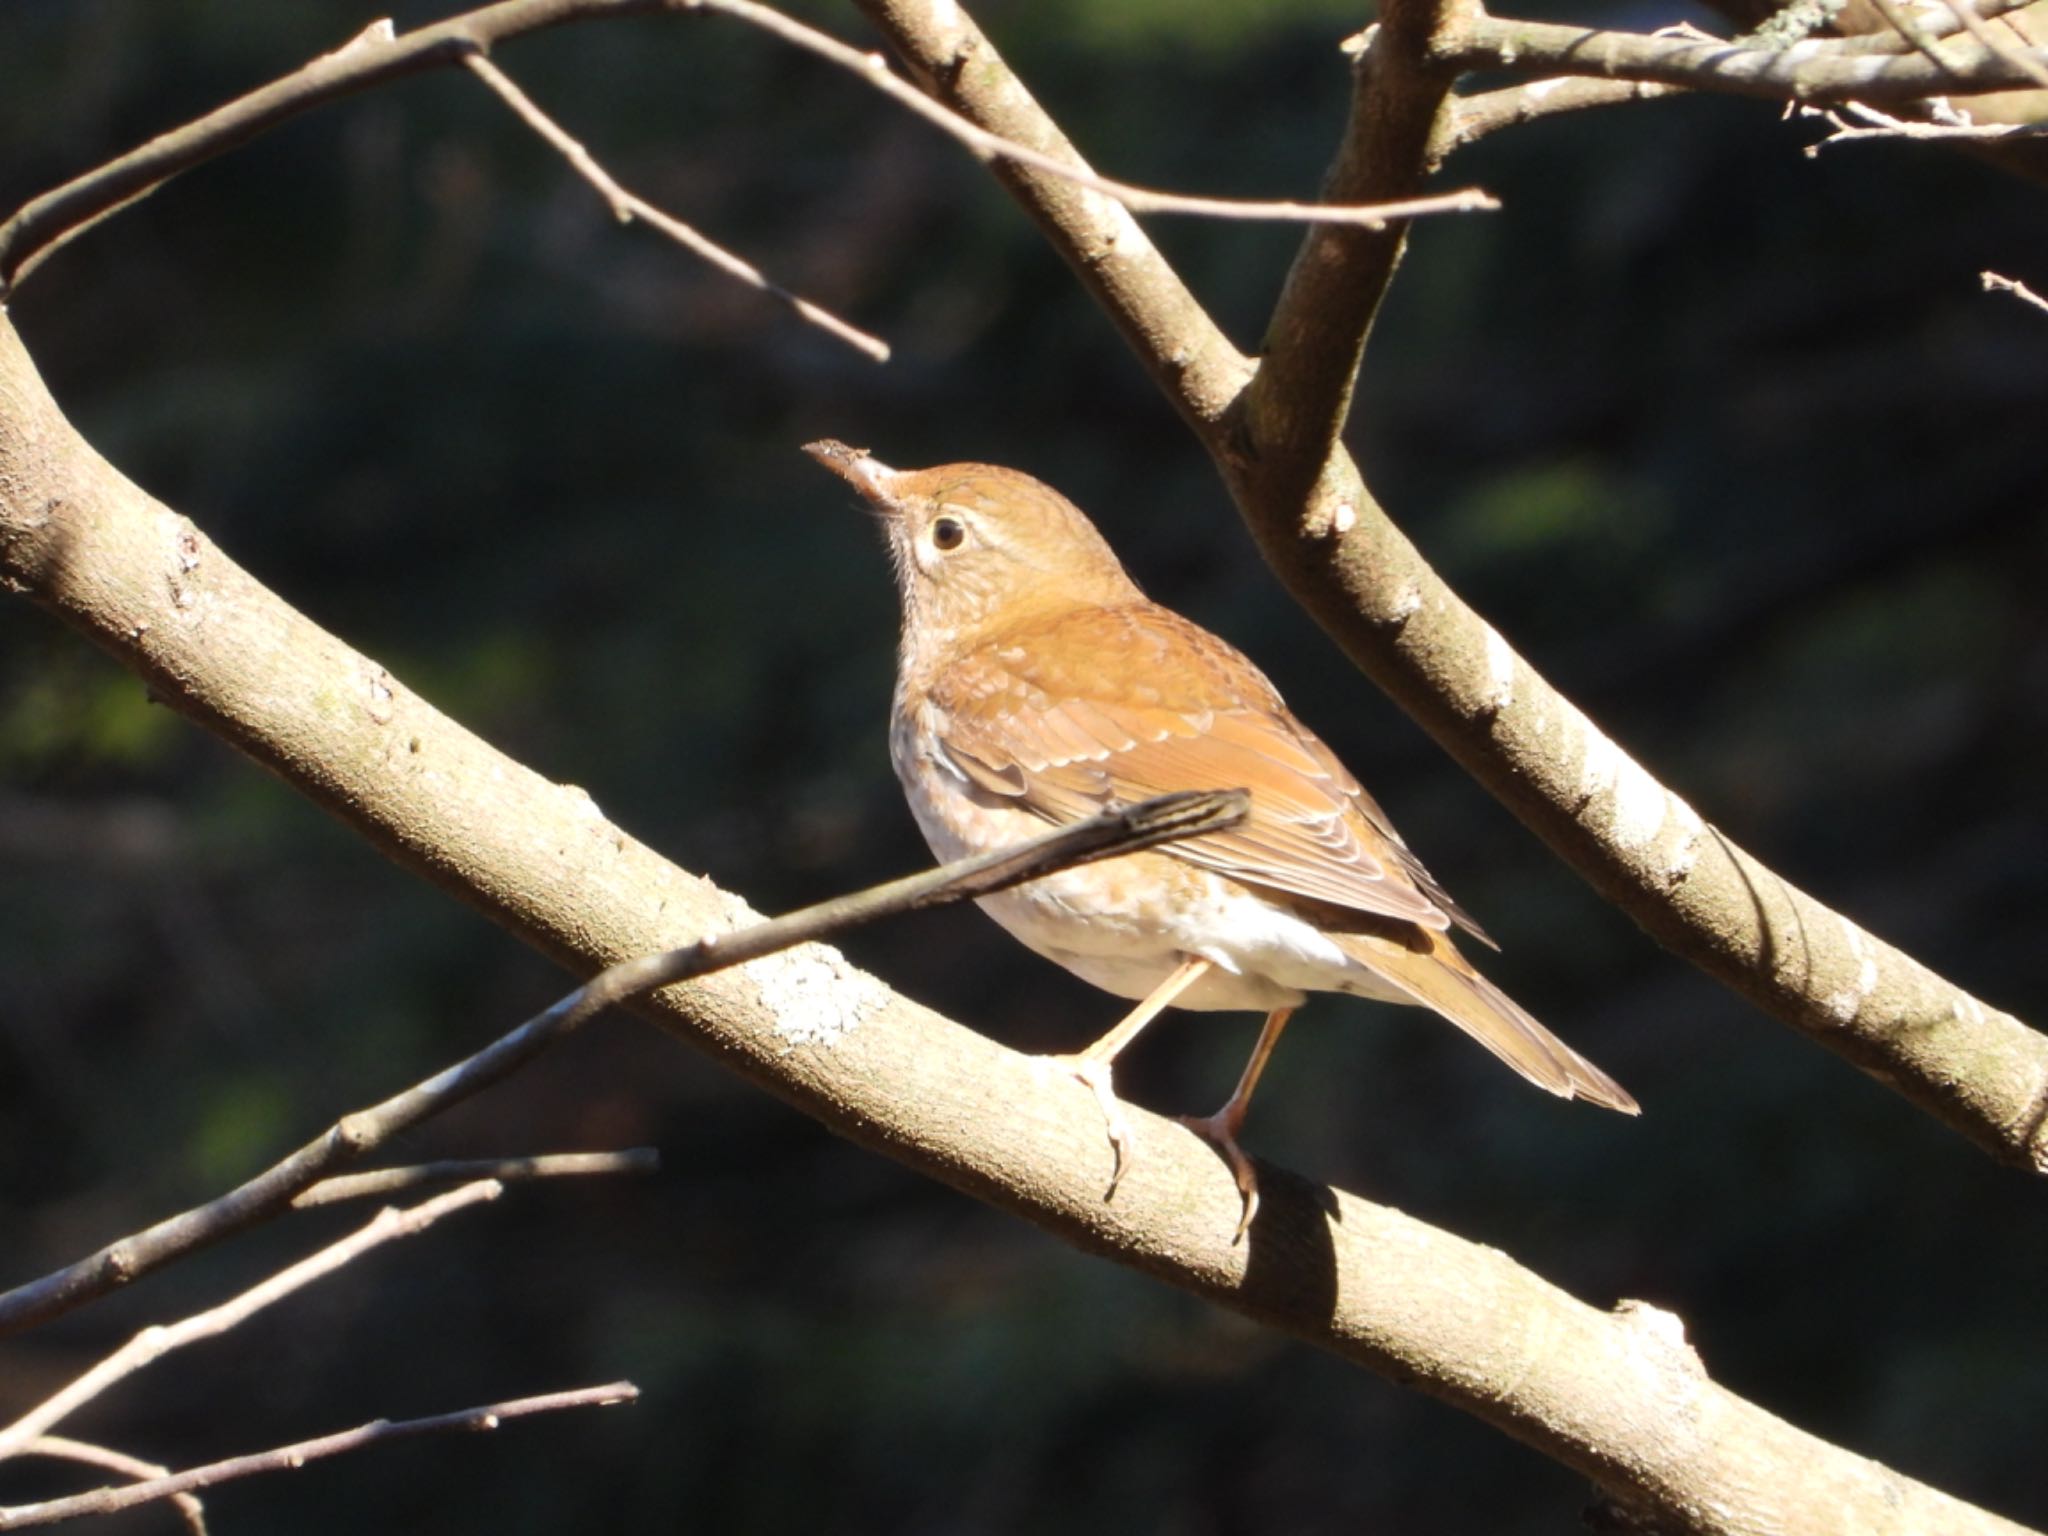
[948, 533]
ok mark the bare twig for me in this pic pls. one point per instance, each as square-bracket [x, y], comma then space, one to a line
[1474, 117]
[1909, 31]
[46, 223]
[986, 146]
[190, 1510]
[626, 207]
[1817, 70]
[287, 1458]
[1852, 120]
[386, 1181]
[354, 1135]
[1147, 824]
[1973, 22]
[154, 1342]
[1995, 283]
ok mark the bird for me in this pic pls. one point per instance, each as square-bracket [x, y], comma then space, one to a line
[1038, 685]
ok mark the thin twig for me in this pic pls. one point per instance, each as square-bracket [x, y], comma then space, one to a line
[1817, 70]
[986, 146]
[354, 1135]
[158, 1340]
[386, 1181]
[1996, 283]
[287, 1458]
[626, 207]
[1164, 819]
[1869, 123]
[43, 225]
[1486, 112]
[190, 1510]
[1973, 22]
[1914, 37]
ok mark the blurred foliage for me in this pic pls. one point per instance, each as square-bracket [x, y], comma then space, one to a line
[1727, 440]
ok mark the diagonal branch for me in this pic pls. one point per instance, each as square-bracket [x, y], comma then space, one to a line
[289, 1458]
[376, 55]
[989, 147]
[190, 1510]
[626, 206]
[1979, 1070]
[153, 1343]
[302, 1178]
[1617, 1395]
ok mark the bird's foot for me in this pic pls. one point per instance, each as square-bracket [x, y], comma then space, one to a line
[1220, 1131]
[1095, 1073]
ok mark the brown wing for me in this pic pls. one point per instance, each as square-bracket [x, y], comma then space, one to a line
[1071, 713]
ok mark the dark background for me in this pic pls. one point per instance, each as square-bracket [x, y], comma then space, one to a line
[1725, 439]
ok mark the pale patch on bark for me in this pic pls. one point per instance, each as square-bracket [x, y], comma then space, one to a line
[1845, 1003]
[815, 993]
[1500, 672]
[1640, 802]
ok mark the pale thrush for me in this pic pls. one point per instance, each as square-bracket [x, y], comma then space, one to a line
[1036, 684]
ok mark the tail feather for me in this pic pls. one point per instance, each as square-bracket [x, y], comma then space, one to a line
[1440, 978]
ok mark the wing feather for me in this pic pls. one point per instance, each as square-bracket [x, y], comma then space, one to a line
[1081, 710]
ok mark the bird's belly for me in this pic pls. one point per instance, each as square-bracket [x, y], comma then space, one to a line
[1125, 924]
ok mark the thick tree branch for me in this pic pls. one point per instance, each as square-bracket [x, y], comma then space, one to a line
[1617, 1395]
[1979, 1070]
[1300, 397]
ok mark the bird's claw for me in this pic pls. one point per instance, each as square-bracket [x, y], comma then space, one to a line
[1220, 1131]
[1095, 1074]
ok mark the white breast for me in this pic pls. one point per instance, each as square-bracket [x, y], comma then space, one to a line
[1105, 922]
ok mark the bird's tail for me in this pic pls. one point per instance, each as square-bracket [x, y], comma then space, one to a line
[1434, 974]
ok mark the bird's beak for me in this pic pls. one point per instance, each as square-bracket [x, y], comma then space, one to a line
[870, 476]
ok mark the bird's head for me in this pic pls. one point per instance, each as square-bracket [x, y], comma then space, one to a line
[978, 548]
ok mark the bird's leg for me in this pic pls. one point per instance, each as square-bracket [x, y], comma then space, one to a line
[1092, 1066]
[1223, 1126]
